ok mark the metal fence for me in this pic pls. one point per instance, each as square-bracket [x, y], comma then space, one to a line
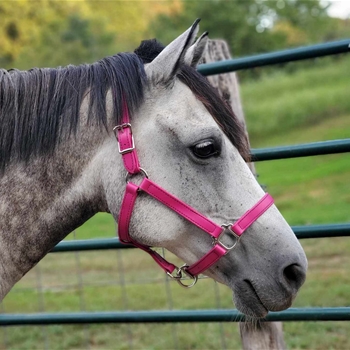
[213, 315]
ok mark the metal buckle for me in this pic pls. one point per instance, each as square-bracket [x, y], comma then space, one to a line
[226, 227]
[121, 127]
[127, 150]
[180, 271]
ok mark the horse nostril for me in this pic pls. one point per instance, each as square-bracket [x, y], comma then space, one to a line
[294, 275]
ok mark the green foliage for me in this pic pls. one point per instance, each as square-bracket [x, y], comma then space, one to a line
[23, 26]
[254, 26]
[55, 33]
[234, 21]
[247, 26]
[71, 41]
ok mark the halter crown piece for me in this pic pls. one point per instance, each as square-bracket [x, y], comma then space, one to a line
[127, 149]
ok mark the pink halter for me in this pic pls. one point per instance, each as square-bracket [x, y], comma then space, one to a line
[127, 149]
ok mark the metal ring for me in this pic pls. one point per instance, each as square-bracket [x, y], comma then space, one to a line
[182, 270]
[142, 171]
[174, 277]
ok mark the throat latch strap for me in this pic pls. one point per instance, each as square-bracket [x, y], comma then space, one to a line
[126, 144]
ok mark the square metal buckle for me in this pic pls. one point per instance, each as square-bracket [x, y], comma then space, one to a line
[127, 150]
[227, 227]
[121, 127]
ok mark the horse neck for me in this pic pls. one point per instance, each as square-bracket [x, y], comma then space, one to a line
[44, 200]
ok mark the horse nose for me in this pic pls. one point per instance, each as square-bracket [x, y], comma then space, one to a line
[294, 276]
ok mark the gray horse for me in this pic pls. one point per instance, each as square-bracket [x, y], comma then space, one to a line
[59, 165]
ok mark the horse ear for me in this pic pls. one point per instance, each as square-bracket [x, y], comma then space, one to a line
[195, 52]
[165, 66]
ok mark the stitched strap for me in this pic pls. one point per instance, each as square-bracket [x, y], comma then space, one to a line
[252, 214]
[181, 208]
[207, 260]
[126, 210]
[125, 140]
[239, 227]
[126, 148]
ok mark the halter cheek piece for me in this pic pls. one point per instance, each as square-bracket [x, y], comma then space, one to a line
[127, 149]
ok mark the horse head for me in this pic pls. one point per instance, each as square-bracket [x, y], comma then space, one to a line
[190, 143]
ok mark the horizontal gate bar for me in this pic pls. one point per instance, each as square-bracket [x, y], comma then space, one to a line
[310, 231]
[302, 150]
[265, 59]
[302, 314]
[90, 244]
[322, 231]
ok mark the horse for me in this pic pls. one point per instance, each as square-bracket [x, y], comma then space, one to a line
[69, 135]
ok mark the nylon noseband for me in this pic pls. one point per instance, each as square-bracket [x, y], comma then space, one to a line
[127, 149]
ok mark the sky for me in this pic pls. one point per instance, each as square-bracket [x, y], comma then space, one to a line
[339, 8]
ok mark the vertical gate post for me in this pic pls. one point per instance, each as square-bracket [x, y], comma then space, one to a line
[262, 335]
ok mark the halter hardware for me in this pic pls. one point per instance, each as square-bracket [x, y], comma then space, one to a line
[179, 276]
[126, 148]
[128, 176]
[226, 228]
[121, 127]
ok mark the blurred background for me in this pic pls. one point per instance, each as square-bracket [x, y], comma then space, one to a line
[53, 33]
[284, 104]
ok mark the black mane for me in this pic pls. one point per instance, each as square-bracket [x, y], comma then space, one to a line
[39, 108]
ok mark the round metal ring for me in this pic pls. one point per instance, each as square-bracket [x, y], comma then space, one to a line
[142, 171]
[182, 270]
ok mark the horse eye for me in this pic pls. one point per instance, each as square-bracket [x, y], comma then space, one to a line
[205, 149]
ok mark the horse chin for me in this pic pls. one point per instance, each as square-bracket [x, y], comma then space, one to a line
[250, 305]
[248, 301]
[252, 311]
[245, 297]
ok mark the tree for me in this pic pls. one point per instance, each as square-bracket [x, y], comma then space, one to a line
[22, 25]
[51, 33]
[249, 26]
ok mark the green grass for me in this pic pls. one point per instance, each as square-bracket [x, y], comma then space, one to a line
[306, 187]
[307, 191]
[284, 101]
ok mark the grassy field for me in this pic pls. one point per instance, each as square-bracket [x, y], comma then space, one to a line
[307, 190]
[282, 102]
